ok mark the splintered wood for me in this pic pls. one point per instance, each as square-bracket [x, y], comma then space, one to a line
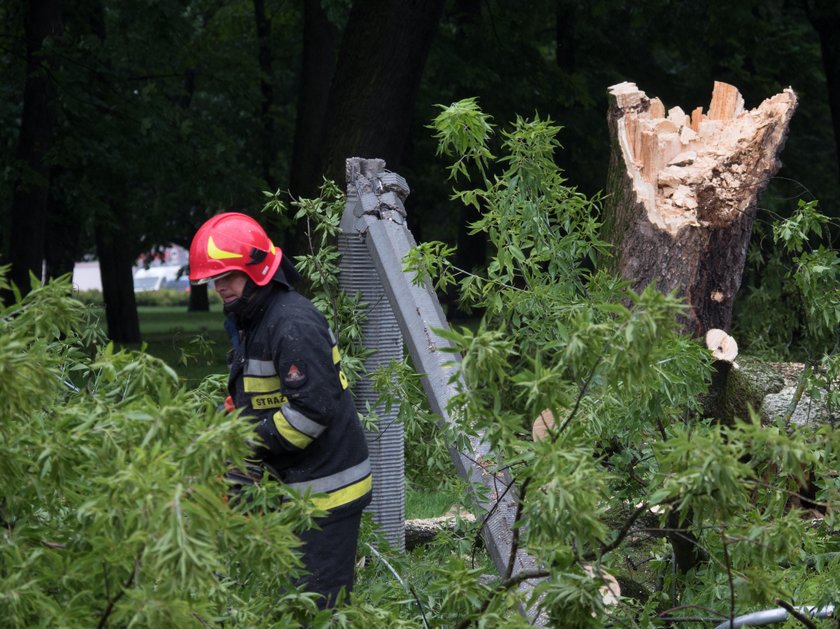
[674, 158]
[682, 193]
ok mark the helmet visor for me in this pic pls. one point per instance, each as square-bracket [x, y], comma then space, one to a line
[207, 280]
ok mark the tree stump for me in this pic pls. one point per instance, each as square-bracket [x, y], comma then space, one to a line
[682, 193]
[771, 390]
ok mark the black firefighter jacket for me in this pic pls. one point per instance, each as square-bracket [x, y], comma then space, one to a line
[286, 375]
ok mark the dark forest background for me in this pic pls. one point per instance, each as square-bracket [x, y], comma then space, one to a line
[125, 124]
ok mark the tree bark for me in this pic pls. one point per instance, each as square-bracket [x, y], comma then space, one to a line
[682, 193]
[772, 390]
[63, 230]
[471, 249]
[824, 16]
[30, 196]
[320, 39]
[268, 148]
[565, 18]
[114, 248]
[199, 299]
[115, 266]
[422, 531]
[383, 53]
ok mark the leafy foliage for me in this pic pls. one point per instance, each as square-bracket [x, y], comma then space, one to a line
[112, 498]
[398, 385]
[626, 390]
[319, 268]
[112, 493]
[793, 300]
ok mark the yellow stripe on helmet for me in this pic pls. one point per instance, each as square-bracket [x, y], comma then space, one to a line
[214, 253]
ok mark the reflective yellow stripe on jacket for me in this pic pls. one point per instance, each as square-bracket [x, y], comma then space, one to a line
[260, 378]
[340, 488]
[295, 427]
[336, 358]
[261, 385]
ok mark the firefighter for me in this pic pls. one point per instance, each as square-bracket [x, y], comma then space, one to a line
[285, 374]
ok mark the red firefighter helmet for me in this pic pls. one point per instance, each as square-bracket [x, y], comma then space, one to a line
[233, 242]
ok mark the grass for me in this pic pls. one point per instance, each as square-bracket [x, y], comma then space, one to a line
[195, 344]
[163, 319]
[424, 503]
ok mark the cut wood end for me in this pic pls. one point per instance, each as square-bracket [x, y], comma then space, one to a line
[722, 346]
[655, 509]
[611, 591]
[542, 424]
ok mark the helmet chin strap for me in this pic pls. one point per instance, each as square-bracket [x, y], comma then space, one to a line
[238, 305]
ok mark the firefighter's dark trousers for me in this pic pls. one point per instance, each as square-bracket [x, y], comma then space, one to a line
[329, 557]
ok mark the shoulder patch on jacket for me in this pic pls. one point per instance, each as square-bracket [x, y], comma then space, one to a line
[296, 375]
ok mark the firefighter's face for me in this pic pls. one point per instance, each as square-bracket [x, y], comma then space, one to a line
[230, 286]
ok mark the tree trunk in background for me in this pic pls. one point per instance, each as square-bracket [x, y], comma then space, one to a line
[115, 266]
[320, 39]
[471, 250]
[565, 14]
[682, 193]
[199, 300]
[470, 255]
[114, 248]
[268, 148]
[824, 15]
[383, 53]
[30, 197]
[63, 231]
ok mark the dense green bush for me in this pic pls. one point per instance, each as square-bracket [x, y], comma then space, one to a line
[625, 388]
[111, 473]
[724, 529]
[162, 297]
[112, 490]
[90, 297]
[789, 306]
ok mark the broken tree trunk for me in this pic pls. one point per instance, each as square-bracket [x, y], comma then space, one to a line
[682, 193]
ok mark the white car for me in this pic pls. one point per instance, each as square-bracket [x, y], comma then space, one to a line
[158, 277]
